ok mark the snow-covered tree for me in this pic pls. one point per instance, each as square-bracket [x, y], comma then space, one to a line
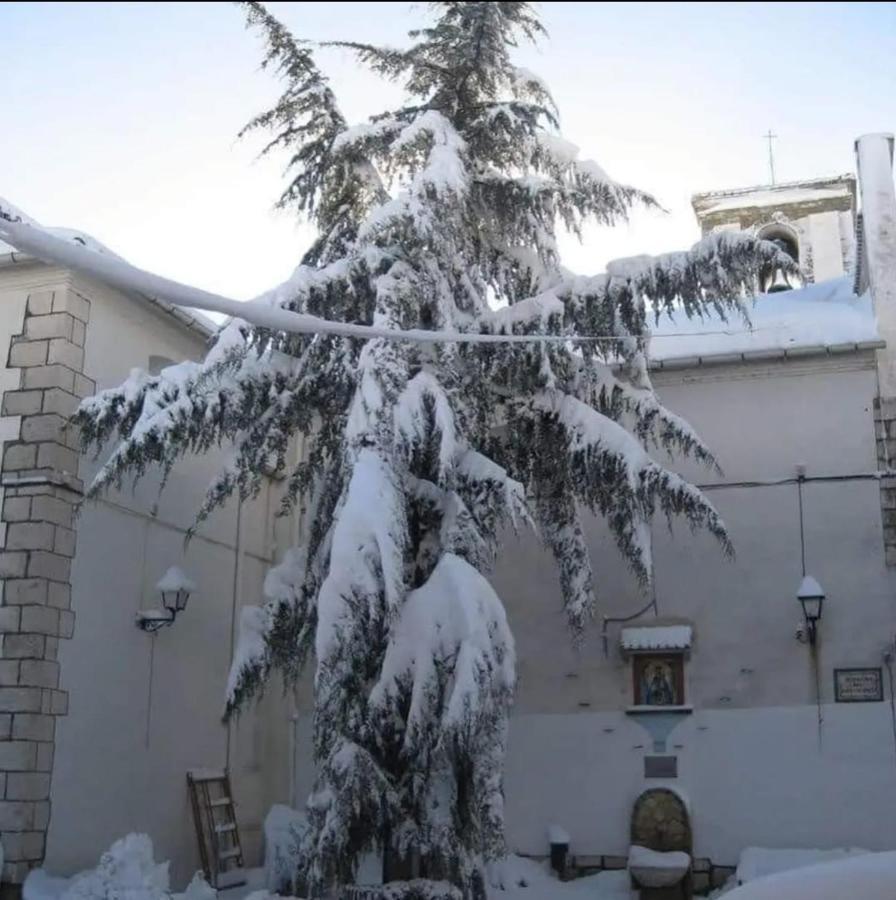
[440, 215]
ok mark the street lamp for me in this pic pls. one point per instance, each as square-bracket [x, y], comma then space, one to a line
[175, 588]
[811, 597]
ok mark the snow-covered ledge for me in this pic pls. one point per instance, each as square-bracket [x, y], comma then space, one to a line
[651, 638]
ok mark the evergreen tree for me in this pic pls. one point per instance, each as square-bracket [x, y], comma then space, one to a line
[440, 215]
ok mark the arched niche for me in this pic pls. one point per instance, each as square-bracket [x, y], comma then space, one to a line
[660, 821]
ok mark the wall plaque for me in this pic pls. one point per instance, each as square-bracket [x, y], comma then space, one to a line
[661, 767]
[858, 685]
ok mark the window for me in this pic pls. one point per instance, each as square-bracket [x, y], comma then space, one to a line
[658, 680]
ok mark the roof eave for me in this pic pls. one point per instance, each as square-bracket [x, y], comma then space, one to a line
[772, 353]
[192, 323]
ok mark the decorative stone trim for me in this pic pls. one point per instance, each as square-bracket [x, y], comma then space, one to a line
[41, 488]
[885, 439]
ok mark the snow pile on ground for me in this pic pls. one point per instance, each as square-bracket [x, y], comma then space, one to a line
[757, 862]
[126, 871]
[824, 314]
[283, 829]
[871, 876]
[516, 878]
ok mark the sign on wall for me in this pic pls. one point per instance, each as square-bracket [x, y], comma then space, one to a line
[858, 685]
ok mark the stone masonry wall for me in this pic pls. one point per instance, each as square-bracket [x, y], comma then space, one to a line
[885, 435]
[40, 491]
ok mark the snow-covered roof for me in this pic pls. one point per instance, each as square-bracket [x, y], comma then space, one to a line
[837, 187]
[656, 637]
[772, 197]
[826, 317]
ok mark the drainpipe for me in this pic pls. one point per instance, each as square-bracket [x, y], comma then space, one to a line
[293, 720]
[235, 606]
[293, 750]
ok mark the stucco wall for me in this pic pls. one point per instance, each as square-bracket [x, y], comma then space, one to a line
[143, 709]
[751, 750]
[752, 777]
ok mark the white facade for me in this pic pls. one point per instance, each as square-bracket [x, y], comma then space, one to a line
[143, 709]
[752, 747]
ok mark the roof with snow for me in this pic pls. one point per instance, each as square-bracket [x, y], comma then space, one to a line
[656, 637]
[841, 188]
[817, 319]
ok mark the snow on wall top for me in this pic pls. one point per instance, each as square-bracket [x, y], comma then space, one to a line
[656, 637]
[192, 319]
[821, 315]
[836, 187]
[771, 197]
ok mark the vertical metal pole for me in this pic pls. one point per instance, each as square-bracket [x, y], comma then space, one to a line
[234, 609]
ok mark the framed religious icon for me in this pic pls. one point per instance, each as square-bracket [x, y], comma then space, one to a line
[658, 680]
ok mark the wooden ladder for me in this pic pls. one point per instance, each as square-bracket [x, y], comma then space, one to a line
[214, 814]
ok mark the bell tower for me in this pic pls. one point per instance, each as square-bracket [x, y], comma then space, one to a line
[814, 221]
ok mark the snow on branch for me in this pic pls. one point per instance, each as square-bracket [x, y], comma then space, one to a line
[366, 559]
[611, 472]
[491, 493]
[451, 641]
[117, 273]
[719, 270]
[598, 386]
[280, 633]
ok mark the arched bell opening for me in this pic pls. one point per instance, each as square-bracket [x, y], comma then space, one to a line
[774, 279]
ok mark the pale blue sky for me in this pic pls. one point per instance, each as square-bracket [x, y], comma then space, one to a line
[121, 118]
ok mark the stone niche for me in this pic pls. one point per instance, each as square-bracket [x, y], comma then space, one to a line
[660, 822]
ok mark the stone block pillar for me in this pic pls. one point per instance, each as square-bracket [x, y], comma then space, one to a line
[37, 542]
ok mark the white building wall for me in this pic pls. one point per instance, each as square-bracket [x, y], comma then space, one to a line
[827, 253]
[142, 709]
[752, 777]
[751, 752]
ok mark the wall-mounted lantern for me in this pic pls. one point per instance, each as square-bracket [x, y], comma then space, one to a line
[811, 598]
[175, 588]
